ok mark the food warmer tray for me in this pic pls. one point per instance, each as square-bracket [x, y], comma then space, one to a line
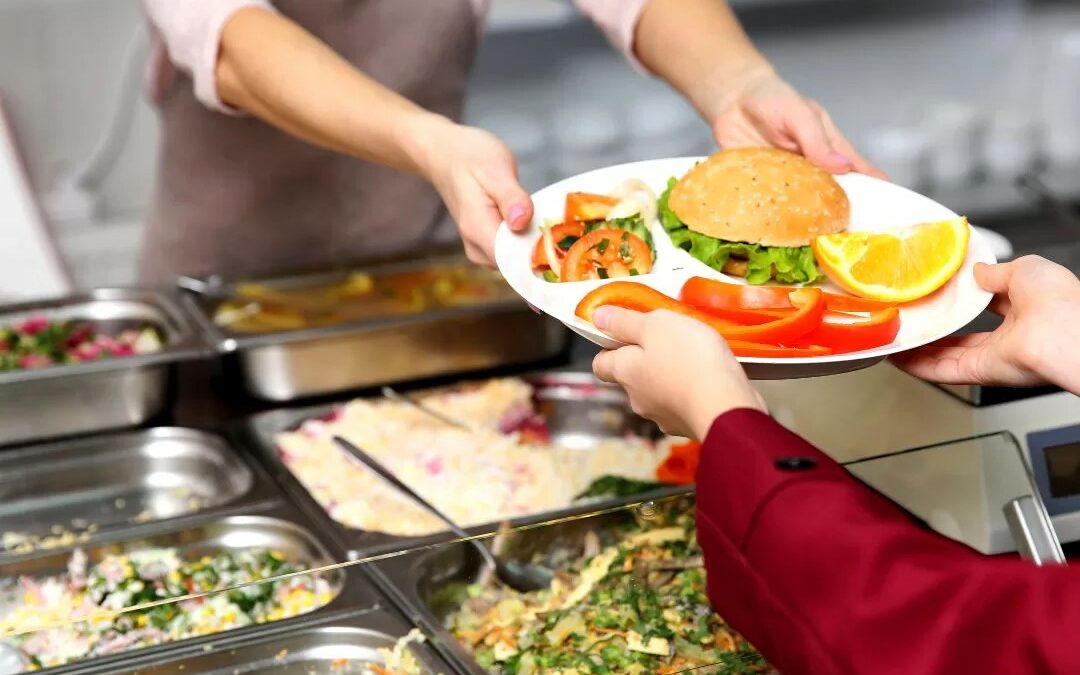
[107, 394]
[419, 579]
[53, 495]
[289, 365]
[277, 527]
[579, 409]
[309, 650]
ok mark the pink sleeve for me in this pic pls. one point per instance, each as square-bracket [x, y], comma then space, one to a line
[191, 31]
[618, 19]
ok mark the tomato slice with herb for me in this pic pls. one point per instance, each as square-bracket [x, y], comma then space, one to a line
[607, 253]
[563, 237]
[586, 207]
[878, 330]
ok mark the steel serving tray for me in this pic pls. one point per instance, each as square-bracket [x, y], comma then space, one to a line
[579, 409]
[57, 494]
[107, 394]
[288, 365]
[327, 647]
[419, 582]
[277, 527]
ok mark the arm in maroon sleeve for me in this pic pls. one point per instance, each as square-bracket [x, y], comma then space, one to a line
[825, 576]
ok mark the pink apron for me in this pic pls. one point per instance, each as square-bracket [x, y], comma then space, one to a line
[239, 198]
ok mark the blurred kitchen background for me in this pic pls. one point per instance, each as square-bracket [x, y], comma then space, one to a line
[956, 98]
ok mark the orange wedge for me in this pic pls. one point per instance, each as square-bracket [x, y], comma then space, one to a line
[895, 265]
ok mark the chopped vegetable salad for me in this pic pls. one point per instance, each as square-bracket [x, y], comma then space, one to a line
[121, 581]
[637, 607]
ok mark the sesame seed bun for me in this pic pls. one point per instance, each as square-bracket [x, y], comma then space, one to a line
[761, 196]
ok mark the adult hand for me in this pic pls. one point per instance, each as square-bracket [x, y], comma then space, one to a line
[476, 175]
[760, 109]
[677, 372]
[1035, 344]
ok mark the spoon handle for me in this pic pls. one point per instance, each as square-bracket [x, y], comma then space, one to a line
[365, 459]
[393, 395]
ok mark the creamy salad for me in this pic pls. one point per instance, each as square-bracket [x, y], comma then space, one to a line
[502, 467]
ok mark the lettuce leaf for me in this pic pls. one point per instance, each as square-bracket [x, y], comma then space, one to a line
[794, 265]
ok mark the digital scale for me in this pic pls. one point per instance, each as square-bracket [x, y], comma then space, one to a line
[956, 472]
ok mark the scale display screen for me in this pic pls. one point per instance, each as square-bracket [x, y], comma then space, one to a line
[1055, 465]
[1063, 469]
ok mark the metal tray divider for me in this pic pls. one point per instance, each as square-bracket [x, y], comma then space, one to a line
[381, 619]
[262, 494]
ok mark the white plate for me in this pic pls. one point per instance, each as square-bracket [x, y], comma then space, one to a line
[875, 205]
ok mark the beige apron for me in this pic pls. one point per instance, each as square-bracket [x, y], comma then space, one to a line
[239, 198]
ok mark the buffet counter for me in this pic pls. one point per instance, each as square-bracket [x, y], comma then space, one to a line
[211, 523]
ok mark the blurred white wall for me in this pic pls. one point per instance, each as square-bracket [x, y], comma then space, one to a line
[545, 81]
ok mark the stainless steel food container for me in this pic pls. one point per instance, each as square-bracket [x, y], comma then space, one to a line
[285, 366]
[419, 582]
[107, 394]
[276, 527]
[53, 495]
[339, 645]
[580, 410]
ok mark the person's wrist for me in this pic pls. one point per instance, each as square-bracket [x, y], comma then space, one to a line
[729, 81]
[705, 409]
[421, 137]
[1049, 359]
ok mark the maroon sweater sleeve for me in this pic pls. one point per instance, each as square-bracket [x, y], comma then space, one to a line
[825, 576]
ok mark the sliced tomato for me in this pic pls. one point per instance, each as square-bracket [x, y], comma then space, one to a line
[844, 337]
[563, 237]
[586, 207]
[719, 297]
[606, 254]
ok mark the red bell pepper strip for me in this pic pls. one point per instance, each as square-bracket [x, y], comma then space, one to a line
[753, 317]
[717, 296]
[752, 350]
[585, 207]
[842, 338]
[849, 303]
[641, 298]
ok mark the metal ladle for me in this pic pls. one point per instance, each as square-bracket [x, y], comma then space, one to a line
[522, 578]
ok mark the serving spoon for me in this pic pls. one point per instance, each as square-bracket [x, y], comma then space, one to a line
[394, 395]
[523, 578]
